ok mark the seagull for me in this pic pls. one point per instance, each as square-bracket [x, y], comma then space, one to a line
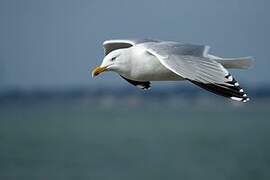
[140, 61]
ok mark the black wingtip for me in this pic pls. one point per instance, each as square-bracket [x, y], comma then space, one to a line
[242, 96]
[230, 89]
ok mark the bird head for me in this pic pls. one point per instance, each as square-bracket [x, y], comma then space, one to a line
[114, 61]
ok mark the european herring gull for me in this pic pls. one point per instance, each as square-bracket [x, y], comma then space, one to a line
[140, 61]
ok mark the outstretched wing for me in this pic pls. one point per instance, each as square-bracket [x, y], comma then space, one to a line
[111, 45]
[192, 64]
[165, 48]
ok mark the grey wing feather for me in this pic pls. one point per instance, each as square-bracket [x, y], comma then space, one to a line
[111, 45]
[188, 61]
[168, 47]
[202, 71]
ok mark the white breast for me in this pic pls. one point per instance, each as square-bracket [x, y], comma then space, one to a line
[146, 67]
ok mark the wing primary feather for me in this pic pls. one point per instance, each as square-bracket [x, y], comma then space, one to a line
[233, 92]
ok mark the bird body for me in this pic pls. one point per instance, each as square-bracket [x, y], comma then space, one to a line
[146, 67]
[144, 60]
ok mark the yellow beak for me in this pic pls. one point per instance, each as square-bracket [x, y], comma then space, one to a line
[98, 70]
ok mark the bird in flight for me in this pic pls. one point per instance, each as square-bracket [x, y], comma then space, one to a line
[140, 61]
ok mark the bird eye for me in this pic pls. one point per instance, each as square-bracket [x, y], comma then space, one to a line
[113, 58]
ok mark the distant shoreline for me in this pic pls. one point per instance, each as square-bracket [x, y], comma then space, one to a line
[121, 94]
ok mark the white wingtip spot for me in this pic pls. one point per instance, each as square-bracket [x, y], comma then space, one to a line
[236, 84]
[237, 98]
[140, 86]
[241, 90]
[245, 95]
[230, 78]
[247, 99]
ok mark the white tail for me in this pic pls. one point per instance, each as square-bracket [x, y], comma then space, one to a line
[234, 63]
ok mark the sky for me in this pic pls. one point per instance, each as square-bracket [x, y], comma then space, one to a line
[56, 43]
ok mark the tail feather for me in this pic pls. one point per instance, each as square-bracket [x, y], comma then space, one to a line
[237, 63]
[234, 63]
